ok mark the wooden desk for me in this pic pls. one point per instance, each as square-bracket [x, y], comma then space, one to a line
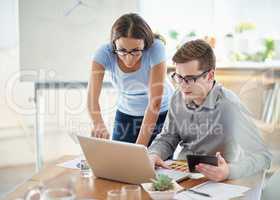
[54, 176]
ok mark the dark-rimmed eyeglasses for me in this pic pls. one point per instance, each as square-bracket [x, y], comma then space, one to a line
[187, 79]
[134, 52]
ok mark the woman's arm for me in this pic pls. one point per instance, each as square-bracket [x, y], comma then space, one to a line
[94, 89]
[156, 87]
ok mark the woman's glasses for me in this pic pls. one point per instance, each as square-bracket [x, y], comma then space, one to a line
[134, 52]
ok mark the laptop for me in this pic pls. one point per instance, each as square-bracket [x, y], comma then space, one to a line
[121, 161]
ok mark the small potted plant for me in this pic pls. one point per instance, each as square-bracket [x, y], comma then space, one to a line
[162, 187]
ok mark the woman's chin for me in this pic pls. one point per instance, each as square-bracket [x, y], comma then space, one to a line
[130, 65]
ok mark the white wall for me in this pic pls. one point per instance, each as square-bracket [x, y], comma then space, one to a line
[64, 110]
[8, 33]
[9, 63]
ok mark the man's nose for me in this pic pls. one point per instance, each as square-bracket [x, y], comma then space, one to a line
[184, 84]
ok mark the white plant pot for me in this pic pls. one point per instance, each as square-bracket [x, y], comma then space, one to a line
[161, 195]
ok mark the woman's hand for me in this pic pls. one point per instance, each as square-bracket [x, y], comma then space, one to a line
[100, 131]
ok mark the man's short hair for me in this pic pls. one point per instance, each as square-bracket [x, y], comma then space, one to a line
[196, 50]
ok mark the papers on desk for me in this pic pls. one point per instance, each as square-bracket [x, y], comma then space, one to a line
[178, 168]
[71, 164]
[217, 191]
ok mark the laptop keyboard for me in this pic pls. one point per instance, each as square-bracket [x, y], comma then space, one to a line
[179, 170]
[176, 175]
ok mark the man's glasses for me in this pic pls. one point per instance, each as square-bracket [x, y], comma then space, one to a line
[187, 79]
[134, 52]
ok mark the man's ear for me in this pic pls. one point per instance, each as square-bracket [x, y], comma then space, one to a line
[211, 75]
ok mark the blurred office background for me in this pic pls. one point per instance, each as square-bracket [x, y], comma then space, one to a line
[245, 35]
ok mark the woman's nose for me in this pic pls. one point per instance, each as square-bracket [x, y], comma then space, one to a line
[129, 57]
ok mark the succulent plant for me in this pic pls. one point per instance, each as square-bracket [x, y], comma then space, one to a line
[162, 183]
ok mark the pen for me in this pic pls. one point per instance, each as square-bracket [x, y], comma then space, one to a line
[195, 192]
[199, 193]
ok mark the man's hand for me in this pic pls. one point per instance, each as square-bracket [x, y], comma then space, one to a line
[157, 161]
[215, 173]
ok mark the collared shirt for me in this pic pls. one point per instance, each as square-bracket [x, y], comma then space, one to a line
[220, 124]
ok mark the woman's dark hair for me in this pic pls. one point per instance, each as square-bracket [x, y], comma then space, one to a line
[134, 26]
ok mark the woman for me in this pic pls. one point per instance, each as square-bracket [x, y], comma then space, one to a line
[135, 58]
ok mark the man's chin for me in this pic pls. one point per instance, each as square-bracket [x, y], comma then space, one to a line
[187, 94]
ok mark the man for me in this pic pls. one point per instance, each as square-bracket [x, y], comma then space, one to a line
[207, 119]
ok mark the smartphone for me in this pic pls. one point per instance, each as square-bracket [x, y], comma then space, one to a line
[194, 160]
